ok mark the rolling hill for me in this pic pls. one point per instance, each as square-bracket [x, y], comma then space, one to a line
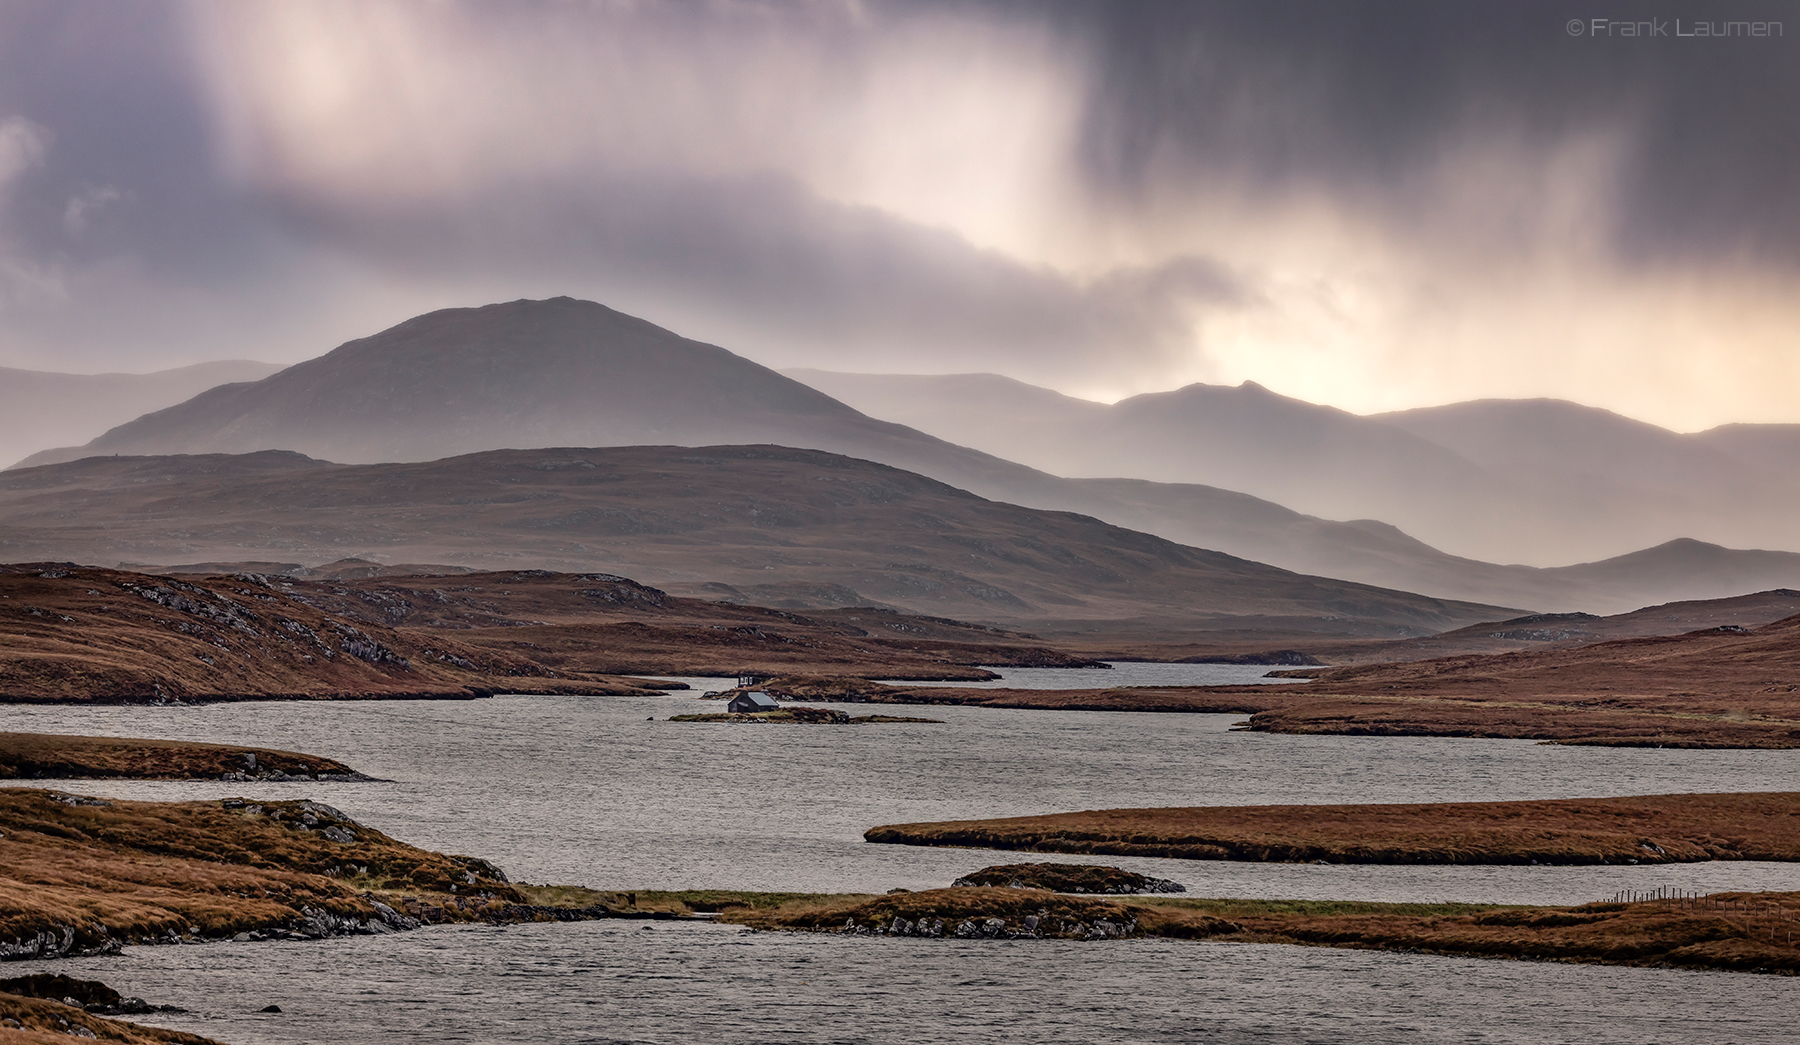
[760, 523]
[563, 372]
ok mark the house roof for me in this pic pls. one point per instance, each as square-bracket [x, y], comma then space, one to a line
[757, 697]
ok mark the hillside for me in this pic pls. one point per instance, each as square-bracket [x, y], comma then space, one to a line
[1532, 631]
[1726, 686]
[769, 524]
[1723, 687]
[84, 634]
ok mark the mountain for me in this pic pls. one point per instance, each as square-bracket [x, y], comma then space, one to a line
[524, 373]
[1537, 481]
[1377, 553]
[1774, 449]
[573, 373]
[39, 409]
[1316, 460]
[1596, 472]
[761, 523]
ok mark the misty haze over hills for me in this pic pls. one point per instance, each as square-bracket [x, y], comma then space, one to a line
[1538, 481]
[571, 373]
[42, 410]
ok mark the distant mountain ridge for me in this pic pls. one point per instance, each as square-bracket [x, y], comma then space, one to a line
[563, 372]
[40, 409]
[1541, 481]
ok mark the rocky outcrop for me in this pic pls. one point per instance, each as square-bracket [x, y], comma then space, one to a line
[87, 995]
[979, 913]
[1028, 927]
[1069, 878]
[312, 923]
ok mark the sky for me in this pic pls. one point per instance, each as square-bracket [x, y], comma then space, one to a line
[1371, 205]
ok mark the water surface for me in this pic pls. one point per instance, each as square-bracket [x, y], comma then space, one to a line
[1119, 673]
[606, 792]
[603, 982]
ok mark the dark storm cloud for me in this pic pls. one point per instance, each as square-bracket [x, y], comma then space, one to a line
[145, 249]
[1351, 96]
[769, 258]
[1365, 201]
[122, 245]
[109, 85]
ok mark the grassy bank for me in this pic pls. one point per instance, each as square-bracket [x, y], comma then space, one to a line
[80, 875]
[1735, 932]
[1643, 829]
[51, 755]
[36, 1021]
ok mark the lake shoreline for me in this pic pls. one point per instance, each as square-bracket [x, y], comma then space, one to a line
[1647, 829]
[1752, 932]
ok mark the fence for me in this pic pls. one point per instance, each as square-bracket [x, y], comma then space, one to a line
[1758, 917]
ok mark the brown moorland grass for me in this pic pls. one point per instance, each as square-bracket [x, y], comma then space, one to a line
[759, 524]
[1731, 687]
[81, 875]
[71, 633]
[1724, 687]
[42, 1022]
[1533, 631]
[1684, 720]
[1745, 932]
[1057, 914]
[1642, 829]
[41, 755]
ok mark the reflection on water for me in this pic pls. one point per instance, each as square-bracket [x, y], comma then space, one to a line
[668, 982]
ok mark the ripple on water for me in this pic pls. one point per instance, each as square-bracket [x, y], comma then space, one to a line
[628, 982]
[605, 791]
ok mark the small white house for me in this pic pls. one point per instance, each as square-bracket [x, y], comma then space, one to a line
[755, 700]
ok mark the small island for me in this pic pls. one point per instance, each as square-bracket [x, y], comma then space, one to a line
[802, 716]
[1638, 829]
[55, 756]
[1743, 932]
[1068, 878]
[236, 869]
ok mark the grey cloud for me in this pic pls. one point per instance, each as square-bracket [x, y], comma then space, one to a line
[167, 257]
[144, 255]
[805, 280]
[1351, 97]
[180, 262]
[111, 85]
